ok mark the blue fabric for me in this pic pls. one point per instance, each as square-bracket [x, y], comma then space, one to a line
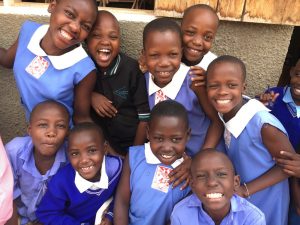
[198, 121]
[252, 159]
[242, 212]
[53, 84]
[287, 115]
[63, 204]
[149, 206]
[29, 184]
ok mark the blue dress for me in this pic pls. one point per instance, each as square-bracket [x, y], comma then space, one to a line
[252, 159]
[149, 206]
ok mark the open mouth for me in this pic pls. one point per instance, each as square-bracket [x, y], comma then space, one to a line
[104, 54]
[223, 101]
[214, 195]
[86, 169]
[66, 35]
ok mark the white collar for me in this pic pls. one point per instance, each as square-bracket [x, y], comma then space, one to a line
[152, 159]
[171, 89]
[206, 60]
[61, 61]
[237, 124]
[83, 184]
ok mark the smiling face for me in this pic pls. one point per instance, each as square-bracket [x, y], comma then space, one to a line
[214, 182]
[295, 83]
[104, 40]
[225, 86]
[70, 24]
[162, 55]
[168, 136]
[199, 28]
[48, 128]
[86, 151]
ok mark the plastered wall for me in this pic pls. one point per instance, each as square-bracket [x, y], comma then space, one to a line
[262, 47]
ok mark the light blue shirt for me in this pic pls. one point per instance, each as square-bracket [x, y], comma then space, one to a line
[242, 212]
[288, 99]
[29, 184]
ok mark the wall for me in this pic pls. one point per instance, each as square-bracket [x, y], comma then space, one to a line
[262, 47]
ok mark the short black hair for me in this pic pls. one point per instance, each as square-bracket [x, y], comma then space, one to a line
[230, 59]
[161, 25]
[49, 102]
[169, 108]
[200, 6]
[87, 126]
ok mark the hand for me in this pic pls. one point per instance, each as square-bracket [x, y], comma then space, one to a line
[105, 221]
[242, 191]
[268, 98]
[197, 76]
[142, 64]
[181, 173]
[103, 106]
[290, 162]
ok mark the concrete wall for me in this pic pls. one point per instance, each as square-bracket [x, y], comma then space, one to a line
[262, 47]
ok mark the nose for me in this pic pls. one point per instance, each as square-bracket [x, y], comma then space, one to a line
[84, 159]
[198, 40]
[223, 90]
[75, 26]
[164, 61]
[51, 132]
[212, 181]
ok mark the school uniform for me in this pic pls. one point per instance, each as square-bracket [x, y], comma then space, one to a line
[179, 90]
[152, 198]
[206, 60]
[252, 159]
[72, 200]
[29, 184]
[123, 84]
[40, 77]
[190, 211]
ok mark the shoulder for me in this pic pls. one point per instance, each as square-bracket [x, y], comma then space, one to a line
[136, 155]
[129, 65]
[30, 25]
[114, 165]
[265, 117]
[128, 60]
[18, 145]
[183, 204]
[65, 174]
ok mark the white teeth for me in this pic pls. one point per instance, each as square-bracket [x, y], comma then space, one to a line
[214, 195]
[85, 169]
[297, 90]
[167, 156]
[104, 50]
[65, 35]
[223, 101]
[194, 50]
[164, 73]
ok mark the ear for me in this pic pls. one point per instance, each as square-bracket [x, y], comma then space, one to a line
[236, 182]
[52, 6]
[189, 133]
[244, 87]
[147, 131]
[29, 130]
[292, 71]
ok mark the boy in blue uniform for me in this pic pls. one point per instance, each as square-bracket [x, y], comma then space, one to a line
[79, 189]
[213, 201]
[120, 101]
[144, 195]
[253, 138]
[37, 157]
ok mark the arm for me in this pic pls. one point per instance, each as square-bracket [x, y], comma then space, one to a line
[216, 128]
[290, 163]
[122, 198]
[82, 98]
[141, 135]
[295, 188]
[274, 140]
[14, 219]
[7, 56]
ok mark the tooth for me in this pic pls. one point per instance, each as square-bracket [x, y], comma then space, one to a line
[214, 195]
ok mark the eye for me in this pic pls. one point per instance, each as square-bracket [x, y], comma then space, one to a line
[176, 140]
[153, 56]
[212, 86]
[69, 14]
[114, 37]
[158, 139]
[174, 54]
[232, 85]
[200, 176]
[61, 126]
[42, 125]
[208, 37]
[189, 33]
[73, 154]
[86, 27]
[92, 150]
[221, 174]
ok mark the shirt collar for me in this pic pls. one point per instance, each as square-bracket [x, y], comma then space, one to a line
[152, 159]
[288, 99]
[171, 89]
[237, 124]
[61, 61]
[206, 60]
[83, 184]
[112, 70]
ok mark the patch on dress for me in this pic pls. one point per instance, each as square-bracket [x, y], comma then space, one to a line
[37, 67]
[227, 137]
[161, 179]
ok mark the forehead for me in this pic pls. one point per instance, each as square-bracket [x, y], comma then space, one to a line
[167, 121]
[48, 110]
[200, 16]
[105, 19]
[86, 135]
[167, 38]
[87, 9]
[225, 68]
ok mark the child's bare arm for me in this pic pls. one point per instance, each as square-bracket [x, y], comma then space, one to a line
[82, 99]
[105, 221]
[122, 197]
[103, 106]
[290, 163]
[14, 218]
[216, 128]
[7, 56]
[275, 141]
[295, 188]
[141, 135]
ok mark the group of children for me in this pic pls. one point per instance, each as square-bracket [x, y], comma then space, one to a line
[168, 124]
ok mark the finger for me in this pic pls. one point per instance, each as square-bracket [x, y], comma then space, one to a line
[290, 172]
[289, 155]
[275, 97]
[186, 184]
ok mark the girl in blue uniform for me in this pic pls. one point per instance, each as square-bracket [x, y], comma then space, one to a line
[49, 61]
[253, 137]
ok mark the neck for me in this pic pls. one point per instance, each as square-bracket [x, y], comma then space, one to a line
[43, 163]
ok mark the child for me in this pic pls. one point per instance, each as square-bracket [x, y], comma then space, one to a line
[285, 105]
[144, 196]
[120, 98]
[213, 201]
[6, 184]
[37, 157]
[167, 79]
[78, 190]
[49, 61]
[253, 138]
